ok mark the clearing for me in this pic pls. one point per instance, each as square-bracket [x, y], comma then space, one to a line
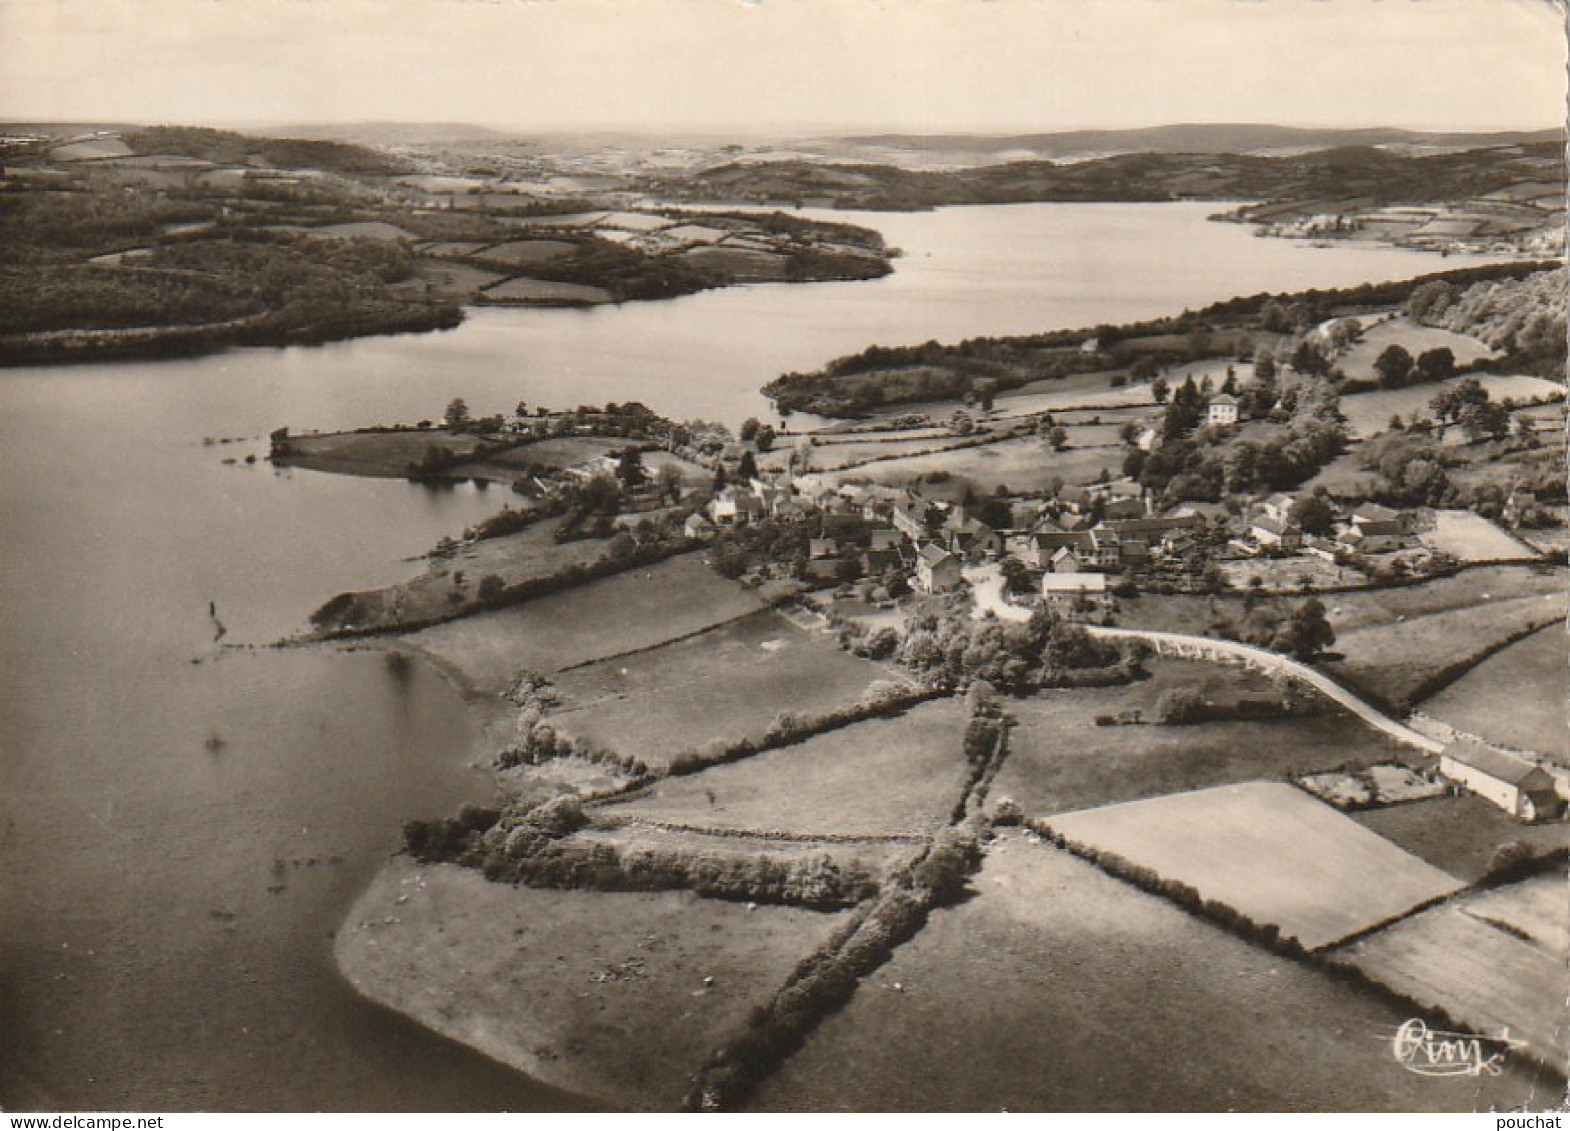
[1058, 988]
[1022, 465]
[1460, 833]
[725, 684]
[1358, 361]
[1368, 414]
[1269, 851]
[1489, 699]
[527, 290]
[637, 609]
[450, 585]
[899, 776]
[384, 455]
[1059, 759]
[1403, 661]
[1469, 958]
[523, 253]
[1470, 537]
[615, 994]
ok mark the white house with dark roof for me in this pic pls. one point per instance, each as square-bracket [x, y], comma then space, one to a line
[937, 570]
[1222, 410]
[1519, 787]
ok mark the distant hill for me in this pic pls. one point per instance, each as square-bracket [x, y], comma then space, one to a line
[1192, 138]
[387, 133]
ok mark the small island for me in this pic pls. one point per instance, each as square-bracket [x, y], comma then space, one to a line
[1132, 621]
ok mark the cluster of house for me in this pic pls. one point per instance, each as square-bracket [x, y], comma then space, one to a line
[1076, 539]
[1369, 529]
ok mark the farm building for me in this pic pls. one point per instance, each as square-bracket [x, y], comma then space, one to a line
[936, 569]
[1515, 785]
[1375, 529]
[1266, 531]
[1066, 593]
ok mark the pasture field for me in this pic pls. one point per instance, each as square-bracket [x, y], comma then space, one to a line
[1369, 413]
[527, 290]
[1517, 696]
[1470, 537]
[899, 776]
[1396, 662]
[1286, 575]
[385, 455]
[877, 857]
[1060, 760]
[1271, 852]
[1076, 391]
[637, 609]
[617, 995]
[1536, 908]
[725, 684]
[451, 249]
[1458, 958]
[459, 281]
[363, 230]
[1459, 834]
[524, 253]
[1058, 988]
[451, 584]
[854, 453]
[742, 264]
[569, 451]
[1358, 361]
[1027, 464]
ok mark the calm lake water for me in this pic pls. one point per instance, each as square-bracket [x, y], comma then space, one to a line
[182, 826]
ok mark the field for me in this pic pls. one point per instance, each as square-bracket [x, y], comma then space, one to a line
[540, 290]
[878, 857]
[363, 230]
[1489, 700]
[1352, 611]
[1387, 784]
[1022, 465]
[637, 609]
[1470, 537]
[1358, 361]
[1059, 759]
[452, 584]
[1286, 575]
[616, 995]
[1058, 988]
[1536, 908]
[1469, 957]
[457, 281]
[1397, 662]
[726, 684]
[522, 253]
[1271, 852]
[1458, 834]
[1369, 413]
[899, 776]
[384, 455]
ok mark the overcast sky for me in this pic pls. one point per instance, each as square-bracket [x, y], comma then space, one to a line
[762, 65]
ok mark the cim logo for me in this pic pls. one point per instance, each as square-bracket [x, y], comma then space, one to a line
[1436, 1052]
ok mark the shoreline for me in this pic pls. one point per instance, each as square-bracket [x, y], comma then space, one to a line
[380, 900]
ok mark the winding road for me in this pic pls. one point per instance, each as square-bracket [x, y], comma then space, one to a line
[1264, 660]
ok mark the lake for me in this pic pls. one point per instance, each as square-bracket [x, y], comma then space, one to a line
[184, 824]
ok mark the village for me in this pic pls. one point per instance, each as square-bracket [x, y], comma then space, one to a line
[1164, 618]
